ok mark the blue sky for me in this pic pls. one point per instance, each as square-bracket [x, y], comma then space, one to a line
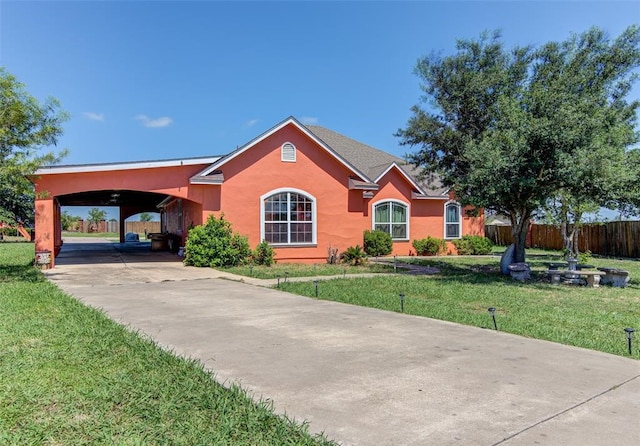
[169, 79]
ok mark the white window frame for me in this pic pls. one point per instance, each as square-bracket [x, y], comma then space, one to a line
[444, 229]
[408, 215]
[314, 216]
[282, 152]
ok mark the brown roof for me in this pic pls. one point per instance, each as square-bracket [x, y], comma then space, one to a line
[371, 161]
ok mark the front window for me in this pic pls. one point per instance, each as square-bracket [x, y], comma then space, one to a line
[391, 217]
[452, 220]
[288, 218]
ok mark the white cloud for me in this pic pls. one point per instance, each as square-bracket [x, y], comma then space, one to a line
[309, 120]
[94, 116]
[163, 121]
[250, 123]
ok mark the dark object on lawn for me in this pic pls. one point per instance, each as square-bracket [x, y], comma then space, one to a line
[402, 302]
[315, 282]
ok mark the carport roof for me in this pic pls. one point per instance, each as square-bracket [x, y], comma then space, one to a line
[105, 167]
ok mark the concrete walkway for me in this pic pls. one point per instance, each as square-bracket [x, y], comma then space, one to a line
[363, 376]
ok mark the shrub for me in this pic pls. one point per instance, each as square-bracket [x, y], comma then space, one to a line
[332, 255]
[584, 257]
[354, 255]
[377, 243]
[429, 246]
[473, 245]
[214, 244]
[263, 255]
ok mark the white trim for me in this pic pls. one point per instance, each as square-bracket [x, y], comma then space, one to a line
[395, 200]
[107, 167]
[444, 229]
[402, 172]
[314, 217]
[416, 196]
[283, 154]
[265, 135]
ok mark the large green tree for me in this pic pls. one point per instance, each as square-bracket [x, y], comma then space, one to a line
[509, 129]
[27, 129]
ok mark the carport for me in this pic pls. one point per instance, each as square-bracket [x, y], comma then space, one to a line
[148, 186]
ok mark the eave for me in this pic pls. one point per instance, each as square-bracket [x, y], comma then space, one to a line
[355, 184]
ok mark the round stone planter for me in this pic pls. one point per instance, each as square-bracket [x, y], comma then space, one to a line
[520, 271]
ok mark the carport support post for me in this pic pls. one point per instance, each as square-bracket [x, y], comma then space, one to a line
[48, 230]
[122, 225]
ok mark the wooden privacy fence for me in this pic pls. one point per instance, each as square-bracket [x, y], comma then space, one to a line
[615, 239]
[139, 227]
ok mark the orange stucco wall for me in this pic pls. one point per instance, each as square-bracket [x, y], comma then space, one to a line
[342, 215]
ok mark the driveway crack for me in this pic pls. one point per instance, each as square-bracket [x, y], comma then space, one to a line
[562, 412]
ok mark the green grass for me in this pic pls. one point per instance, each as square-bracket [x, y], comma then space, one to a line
[69, 375]
[304, 270]
[592, 318]
[109, 235]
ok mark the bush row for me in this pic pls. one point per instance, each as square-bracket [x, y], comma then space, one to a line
[214, 244]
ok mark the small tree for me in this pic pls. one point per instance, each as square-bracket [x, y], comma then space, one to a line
[96, 215]
[67, 221]
[145, 216]
[215, 245]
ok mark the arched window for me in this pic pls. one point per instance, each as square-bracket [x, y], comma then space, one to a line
[452, 220]
[392, 217]
[288, 218]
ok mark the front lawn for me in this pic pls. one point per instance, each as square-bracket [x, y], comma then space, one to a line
[592, 318]
[71, 376]
[283, 270]
[107, 235]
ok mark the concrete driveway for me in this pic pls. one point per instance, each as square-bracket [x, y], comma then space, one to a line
[363, 376]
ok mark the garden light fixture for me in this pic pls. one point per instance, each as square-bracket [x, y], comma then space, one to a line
[492, 312]
[402, 302]
[629, 332]
[315, 282]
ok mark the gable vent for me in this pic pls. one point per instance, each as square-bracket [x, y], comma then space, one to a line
[288, 152]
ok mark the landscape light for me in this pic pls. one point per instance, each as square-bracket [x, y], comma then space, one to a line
[492, 312]
[402, 302]
[315, 282]
[629, 332]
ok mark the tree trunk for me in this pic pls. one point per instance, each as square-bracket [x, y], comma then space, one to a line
[519, 230]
